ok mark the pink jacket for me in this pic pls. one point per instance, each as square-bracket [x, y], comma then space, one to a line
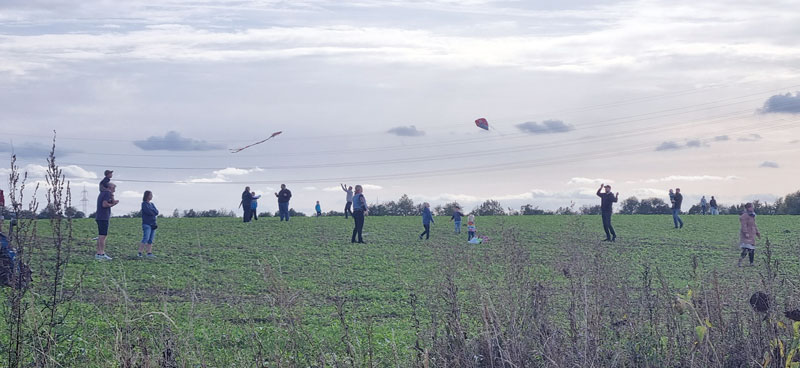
[747, 235]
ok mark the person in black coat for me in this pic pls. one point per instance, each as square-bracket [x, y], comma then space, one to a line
[607, 200]
[246, 204]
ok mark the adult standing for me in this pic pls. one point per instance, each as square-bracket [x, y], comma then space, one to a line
[703, 204]
[254, 205]
[748, 233]
[713, 205]
[359, 210]
[676, 209]
[607, 200]
[427, 220]
[105, 200]
[247, 204]
[149, 213]
[283, 202]
[349, 191]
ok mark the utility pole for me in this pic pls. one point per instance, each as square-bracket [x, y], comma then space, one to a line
[84, 200]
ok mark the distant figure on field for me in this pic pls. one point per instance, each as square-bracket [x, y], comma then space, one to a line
[349, 191]
[427, 220]
[149, 213]
[703, 204]
[254, 205]
[318, 209]
[106, 179]
[748, 233]
[471, 228]
[607, 200]
[2, 209]
[105, 200]
[713, 204]
[283, 202]
[676, 208]
[247, 204]
[456, 218]
[359, 210]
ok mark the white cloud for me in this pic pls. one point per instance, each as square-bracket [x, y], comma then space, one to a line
[584, 181]
[232, 171]
[688, 178]
[131, 194]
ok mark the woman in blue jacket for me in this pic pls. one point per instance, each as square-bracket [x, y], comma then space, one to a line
[149, 213]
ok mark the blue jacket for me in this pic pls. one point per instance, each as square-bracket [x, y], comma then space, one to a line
[427, 216]
[149, 213]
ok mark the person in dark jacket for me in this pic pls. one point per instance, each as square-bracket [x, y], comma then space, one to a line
[607, 200]
[456, 218]
[359, 210]
[713, 205]
[283, 202]
[427, 220]
[247, 204]
[105, 200]
[349, 204]
[676, 209]
[149, 213]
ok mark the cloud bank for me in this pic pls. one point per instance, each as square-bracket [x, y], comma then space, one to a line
[406, 131]
[172, 141]
[788, 103]
[545, 127]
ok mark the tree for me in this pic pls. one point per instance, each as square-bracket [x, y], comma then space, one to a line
[176, 213]
[447, 209]
[73, 212]
[529, 209]
[653, 206]
[629, 206]
[489, 208]
[590, 210]
[265, 214]
[405, 207]
[790, 205]
[293, 213]
[47, 213]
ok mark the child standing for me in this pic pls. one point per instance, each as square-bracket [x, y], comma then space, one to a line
[471, 227]
[318, 209]
[748, 233]
[456, 218]
[254, 205]
[427, 219]
[671, 197]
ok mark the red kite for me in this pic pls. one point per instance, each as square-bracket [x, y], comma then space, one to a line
[482, 123]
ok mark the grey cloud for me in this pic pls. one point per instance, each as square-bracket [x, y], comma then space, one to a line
[172, 141]
[694, 143]
[769, 164]
[750, 138]
[787, 103]
[668, 146]
[545, 127]
[721, 138]
[406, 131]
[32, 150]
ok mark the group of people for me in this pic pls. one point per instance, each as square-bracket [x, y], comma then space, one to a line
[106, 200]
[748, 231]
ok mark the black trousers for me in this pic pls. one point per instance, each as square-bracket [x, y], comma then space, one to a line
[255, 215]
[347, 209]
[607, 225]
[427, 231]
[748, 252]
[358, 216]
[248, 214]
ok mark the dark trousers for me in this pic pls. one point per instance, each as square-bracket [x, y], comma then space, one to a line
[748, 252]
[676, 217]
[427, 231]
[358, 216]
[704, 209]
[283, 209]
[255, 215]
[347, 209]
[607, 225]
[248, 214]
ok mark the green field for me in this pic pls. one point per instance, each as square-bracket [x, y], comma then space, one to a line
[223, 293]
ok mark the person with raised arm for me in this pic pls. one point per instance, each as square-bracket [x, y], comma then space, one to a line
[607, 200]
[349, 204]
[359, 211]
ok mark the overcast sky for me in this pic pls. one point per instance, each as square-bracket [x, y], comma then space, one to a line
[645, 95]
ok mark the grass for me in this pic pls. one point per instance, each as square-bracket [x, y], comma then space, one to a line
[223, 293]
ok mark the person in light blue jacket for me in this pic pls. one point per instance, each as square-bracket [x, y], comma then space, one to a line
[427, 220]
[149, 213]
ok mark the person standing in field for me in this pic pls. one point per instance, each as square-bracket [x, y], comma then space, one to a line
[703, 204]
[607, 200]
[748, 233]
[359, 211]
[713, 205]
[247, 204]
[349, 191]
[427, 220]
[456, 218]
[318, 208]
[149, 213]
[283, 202]
[471, 228]
[105, 200]
[676, 209]
[106, 179]
[254, 205]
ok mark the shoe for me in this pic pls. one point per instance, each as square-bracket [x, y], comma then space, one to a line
[750, 265]
[106, 257]
[151, 255]
[362, 242]
[614, 239]
[739, 263]
[420, 237]
[139, 255]
[102, 257]
[98, 257]
[607, 240]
